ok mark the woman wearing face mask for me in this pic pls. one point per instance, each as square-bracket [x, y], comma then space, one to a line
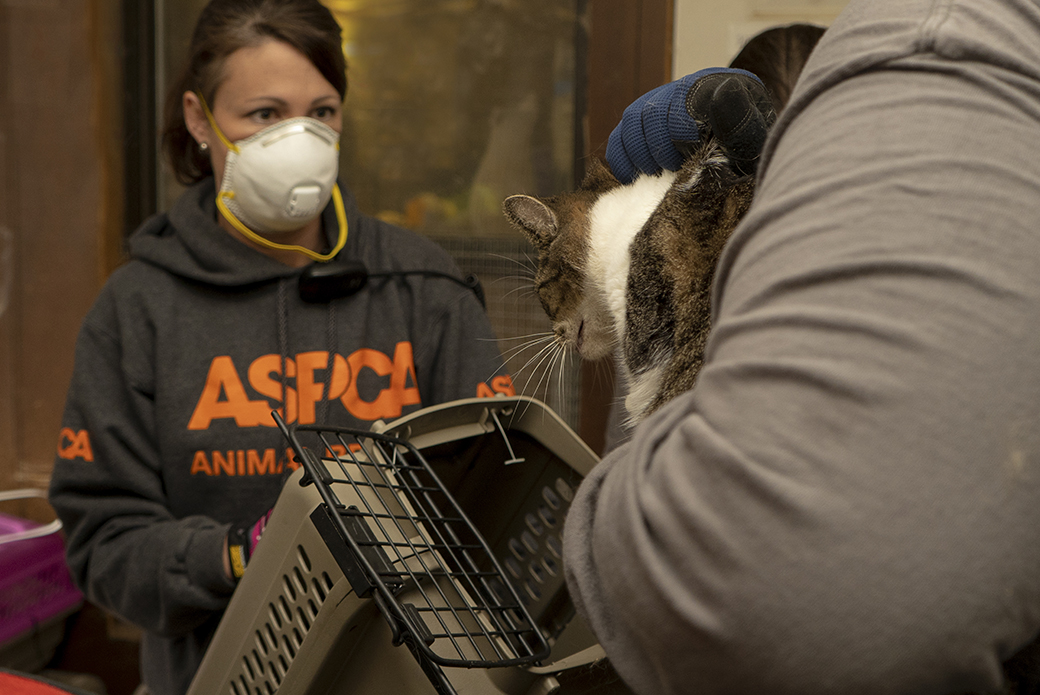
[169, 455]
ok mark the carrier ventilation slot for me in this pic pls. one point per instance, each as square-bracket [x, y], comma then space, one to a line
[289, 619]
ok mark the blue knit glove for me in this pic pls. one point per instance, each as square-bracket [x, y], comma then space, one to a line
[661, 128]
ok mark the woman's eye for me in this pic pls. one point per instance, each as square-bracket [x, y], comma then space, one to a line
[264, 114]
[324, 112]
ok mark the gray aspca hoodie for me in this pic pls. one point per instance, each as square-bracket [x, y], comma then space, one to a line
[167, 436]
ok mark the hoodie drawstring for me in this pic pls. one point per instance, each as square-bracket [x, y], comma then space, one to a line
[283, 354]
[283, 350]
[330, 345]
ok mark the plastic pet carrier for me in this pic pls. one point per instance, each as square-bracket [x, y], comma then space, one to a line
[424, 556]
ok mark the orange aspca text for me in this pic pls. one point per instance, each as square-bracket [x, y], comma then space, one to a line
[224, 395]
[250, 462]
[242, 462]
[500, 384]
[73, 445]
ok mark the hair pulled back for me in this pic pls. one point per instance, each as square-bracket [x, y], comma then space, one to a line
[226, 26]
[777, 56]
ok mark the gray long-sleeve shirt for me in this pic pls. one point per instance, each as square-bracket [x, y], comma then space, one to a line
[848, 501]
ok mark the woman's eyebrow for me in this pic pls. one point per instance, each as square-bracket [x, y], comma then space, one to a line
[268, 99]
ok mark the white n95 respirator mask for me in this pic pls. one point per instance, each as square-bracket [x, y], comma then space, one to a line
[280, 179]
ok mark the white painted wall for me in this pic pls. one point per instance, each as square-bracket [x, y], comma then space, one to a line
[709, 33]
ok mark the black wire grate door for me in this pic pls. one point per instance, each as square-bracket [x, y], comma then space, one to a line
[402, 539]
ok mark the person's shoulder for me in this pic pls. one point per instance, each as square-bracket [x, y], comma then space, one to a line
[131, 287]
[404, 249]
[135, 275]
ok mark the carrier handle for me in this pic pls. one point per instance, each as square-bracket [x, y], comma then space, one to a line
[27, 493]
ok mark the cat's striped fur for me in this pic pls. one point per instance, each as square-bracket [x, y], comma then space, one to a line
[630, 267]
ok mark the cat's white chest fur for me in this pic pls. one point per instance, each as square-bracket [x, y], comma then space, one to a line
[614, 221]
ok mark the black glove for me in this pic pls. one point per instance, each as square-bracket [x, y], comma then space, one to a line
[661, 128]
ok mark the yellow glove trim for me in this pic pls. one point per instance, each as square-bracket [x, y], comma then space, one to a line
[238, 565]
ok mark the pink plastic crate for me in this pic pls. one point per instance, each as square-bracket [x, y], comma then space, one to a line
[35, 585]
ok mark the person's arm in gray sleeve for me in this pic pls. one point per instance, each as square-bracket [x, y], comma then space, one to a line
[848, 500]
[125, 549]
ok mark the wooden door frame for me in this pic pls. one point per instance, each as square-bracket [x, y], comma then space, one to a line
[61, 181]
[629, 53]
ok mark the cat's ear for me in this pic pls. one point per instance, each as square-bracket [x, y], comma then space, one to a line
[533, 217]
[598, 177]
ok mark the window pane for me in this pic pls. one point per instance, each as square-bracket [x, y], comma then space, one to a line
[452, 106]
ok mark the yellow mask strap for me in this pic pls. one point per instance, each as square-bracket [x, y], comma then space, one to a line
[337, 199]
[341, 218]
[213, 124]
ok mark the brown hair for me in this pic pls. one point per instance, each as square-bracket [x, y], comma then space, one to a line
[777, 56]
[228, 25]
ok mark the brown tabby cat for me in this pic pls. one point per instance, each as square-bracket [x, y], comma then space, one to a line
[634, 264]
[631, 266]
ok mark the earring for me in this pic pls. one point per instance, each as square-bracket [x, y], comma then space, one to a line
[203, 146]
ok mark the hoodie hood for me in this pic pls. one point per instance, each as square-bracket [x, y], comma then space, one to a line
[188, 242]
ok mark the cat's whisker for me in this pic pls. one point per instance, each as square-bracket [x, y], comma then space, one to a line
[527, 291]
[559, 362]
[518, 349]
[529, 266]
[537, 357]
[504, 257]
[523, 282]
[534, 344]
[550, 355]
[540, 335]
[527, 276]
[608, 372]
[604, 376]
[535, 393]
[532, 341]
[514, 278]
[537, 360]
[551, 361]
[560, 379]
[519, 294]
